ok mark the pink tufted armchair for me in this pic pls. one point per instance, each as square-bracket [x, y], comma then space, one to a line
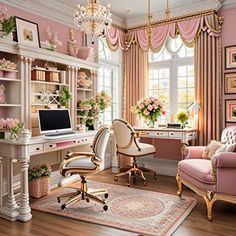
[212, 179]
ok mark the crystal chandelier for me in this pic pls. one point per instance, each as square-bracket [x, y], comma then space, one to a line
[94, 19]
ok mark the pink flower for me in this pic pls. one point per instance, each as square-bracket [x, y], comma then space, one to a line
[147, 101]
[157, 102]
[154, 107]
[150, 107]
[141, 106]
[146, 112]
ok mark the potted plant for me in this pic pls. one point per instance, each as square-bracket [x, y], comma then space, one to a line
[182, 117]
[150, 109]
[8, 23]
[39, 180]
[64, 98]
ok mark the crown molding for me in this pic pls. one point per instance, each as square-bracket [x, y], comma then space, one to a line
[53, 10]
[229, 4]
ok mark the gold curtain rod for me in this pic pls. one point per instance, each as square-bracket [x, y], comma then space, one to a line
[173, 19]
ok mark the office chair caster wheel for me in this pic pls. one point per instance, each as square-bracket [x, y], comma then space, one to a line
[145, 183]
[115, 178]
[105, 207]
[106, 195]
[58, 200]
[63, 206]
[128, 184]
[87, 199]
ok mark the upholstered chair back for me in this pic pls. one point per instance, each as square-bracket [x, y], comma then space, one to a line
[100, 142]
[123, 133]
[229, 135]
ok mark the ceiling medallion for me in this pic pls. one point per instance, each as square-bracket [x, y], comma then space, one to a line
[94, 20]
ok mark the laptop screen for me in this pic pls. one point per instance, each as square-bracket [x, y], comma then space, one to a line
[51, 121]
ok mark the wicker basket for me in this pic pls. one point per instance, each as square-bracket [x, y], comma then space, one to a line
[39, 187]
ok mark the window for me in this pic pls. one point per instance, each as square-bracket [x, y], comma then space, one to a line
[171, 76]
[109, 80]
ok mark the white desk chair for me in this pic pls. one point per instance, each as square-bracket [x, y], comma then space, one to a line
[84, 163]
[127, 143]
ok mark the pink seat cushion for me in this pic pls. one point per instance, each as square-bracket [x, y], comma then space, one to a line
[199, 169]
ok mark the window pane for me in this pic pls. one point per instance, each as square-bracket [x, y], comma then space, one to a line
[182, 71]
[164, 84]
[182, 82]
[164, 73]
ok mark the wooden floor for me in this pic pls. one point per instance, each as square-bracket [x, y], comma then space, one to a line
[224, 222]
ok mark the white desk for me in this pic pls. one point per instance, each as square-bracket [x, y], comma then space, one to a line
[184, 135]
[20, 152]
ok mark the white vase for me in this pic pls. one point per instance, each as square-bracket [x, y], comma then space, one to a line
[7, 37]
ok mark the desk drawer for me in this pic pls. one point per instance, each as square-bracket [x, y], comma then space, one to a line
[154, 134]
[191, 135]
[175, 134]
[36, 148]
[85, 140]
[49, 146]
[161, 134]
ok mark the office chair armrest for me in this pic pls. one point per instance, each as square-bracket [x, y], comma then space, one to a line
[79, 154]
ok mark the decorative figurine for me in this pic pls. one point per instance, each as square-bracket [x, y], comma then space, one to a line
[51, 41]
[72, 48]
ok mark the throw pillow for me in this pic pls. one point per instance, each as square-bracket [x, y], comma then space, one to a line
[211, 149]
[226, 148]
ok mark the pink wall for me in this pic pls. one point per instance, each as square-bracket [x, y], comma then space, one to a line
[62, 30]
[228, 38]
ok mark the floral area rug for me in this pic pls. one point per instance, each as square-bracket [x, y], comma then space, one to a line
[139, 211]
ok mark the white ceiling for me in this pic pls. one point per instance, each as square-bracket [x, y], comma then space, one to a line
[133, 12]
[62, 10]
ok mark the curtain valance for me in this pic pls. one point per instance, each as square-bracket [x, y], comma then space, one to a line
[189, 29]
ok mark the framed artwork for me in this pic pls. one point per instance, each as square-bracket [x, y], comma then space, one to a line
[230, 57]
[27, 32]
[230, 83]
[230, 110]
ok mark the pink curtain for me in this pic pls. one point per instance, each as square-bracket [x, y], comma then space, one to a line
[136, 69]
[115, 39]
[207, 77]
[189, 29]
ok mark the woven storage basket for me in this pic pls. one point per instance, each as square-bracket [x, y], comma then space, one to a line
[39, 187]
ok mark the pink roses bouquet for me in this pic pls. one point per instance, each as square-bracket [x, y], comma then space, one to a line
[13, 125]
[150, 108]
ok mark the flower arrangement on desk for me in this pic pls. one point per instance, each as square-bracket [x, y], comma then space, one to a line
[39, 181]
[182, 117]
[150, 109]
[14, 126]
[8, 23]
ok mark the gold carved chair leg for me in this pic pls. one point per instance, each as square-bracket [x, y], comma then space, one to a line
[209, 199]
[133, 171]
[180, 186]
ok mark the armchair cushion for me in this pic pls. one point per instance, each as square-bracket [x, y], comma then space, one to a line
[199, 169]
[224, 160]
[211, 149]
[83, 162]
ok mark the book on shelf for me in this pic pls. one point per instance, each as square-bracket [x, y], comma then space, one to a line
[38, 74]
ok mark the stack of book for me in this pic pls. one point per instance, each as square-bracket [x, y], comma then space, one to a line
[38, 73]
[53, 76]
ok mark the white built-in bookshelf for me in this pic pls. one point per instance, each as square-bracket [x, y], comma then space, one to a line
[25, 91]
